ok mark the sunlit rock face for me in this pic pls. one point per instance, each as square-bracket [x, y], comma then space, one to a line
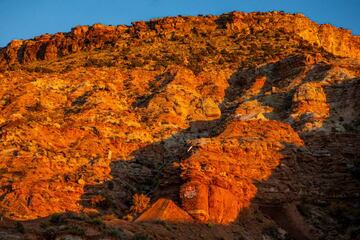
[337, 41]
[241, 119]
[220, 175]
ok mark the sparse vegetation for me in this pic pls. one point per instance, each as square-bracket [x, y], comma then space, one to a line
[114, 232]
[141, 236]
[50, 233]
[57, 218]
[101, 201]
[140, 203]
[20, 227]
[95, 62]
[211, 113]
[76, 230]
[96, 221]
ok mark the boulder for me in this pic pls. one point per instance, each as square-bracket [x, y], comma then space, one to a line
[164, 210]
[223, 205]
[210, 108]
[194, 196]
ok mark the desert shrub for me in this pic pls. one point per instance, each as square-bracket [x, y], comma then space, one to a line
[195, 67]
[195, 64]
[96, 221]
[212, 51]
[140, 203]
[67, 68]
[50, 233]
[232, 57]
[175, 59]
[81, 100]
[161, 63]
[77, 216]
[96, 62]
[34, 108]
[75, 230]
[210, 225]
[57, 218]
[101, 201]
[135, 62]
[274, 233]
[140, 236]
[125, 51]
[224, 52]
[20, 227]
[115, 233]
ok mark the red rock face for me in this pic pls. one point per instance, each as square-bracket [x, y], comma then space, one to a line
[309, 102]
[195, 197]
[164, 210]
[220, 175]
[244, 124]
[46, 47]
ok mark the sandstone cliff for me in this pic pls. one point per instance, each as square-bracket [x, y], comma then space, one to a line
[339, 42]
[238, 126]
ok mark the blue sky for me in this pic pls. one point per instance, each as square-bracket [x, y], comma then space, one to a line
[23, 19]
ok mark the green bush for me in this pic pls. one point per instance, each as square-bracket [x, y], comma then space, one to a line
[20, 227]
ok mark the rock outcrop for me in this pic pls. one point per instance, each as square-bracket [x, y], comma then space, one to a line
[220, 174]
[339, 42]
[243, 125]
[164, 210]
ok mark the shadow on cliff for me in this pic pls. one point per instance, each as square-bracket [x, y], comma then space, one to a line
[314, 188]
[297, 183]
[281, 197]
[152, 171]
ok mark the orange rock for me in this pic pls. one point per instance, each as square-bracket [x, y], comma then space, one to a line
[223, 205]
[219, 175]
[191, 108]
[339, 42]
[164, 210]
[310, 108]
[194, 196]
